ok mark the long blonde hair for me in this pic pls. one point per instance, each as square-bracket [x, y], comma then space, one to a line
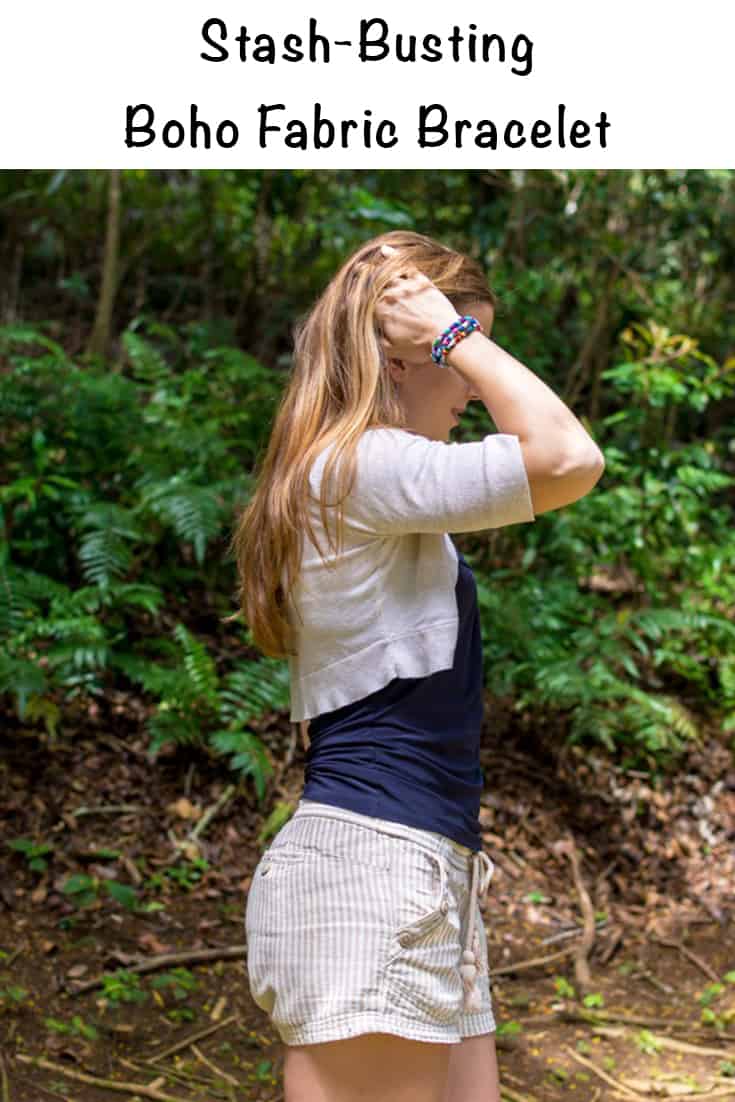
[337, 389]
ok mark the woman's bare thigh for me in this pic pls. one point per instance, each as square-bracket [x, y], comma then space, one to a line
[372, 1067]
[473, 1071]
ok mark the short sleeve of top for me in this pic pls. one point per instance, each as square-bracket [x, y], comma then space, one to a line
[407, 483]
[409, 752]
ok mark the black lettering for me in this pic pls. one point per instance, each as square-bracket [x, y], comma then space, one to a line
[315, 38]
[243, 38]
[455, 38]
[265, 49]
[580, 130]
[434, 53]
[365, 44]
[410, 54]
[472, 42]
[487, 42]
[521, 140]
[541, 129]
[264, 127]
[319, 123]
[222, 27]
[221, 134]
[487, 134]
[424, 112]
[347, 125]
[602, 126]
[391, 127]
[459, 126]
[526, 56]
[293, 53]
[173, 126]
[296, 130]
[195, 124]
[146, 127]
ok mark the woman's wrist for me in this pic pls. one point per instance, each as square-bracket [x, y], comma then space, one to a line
[462, 327]
[454, 356]
[438, 326]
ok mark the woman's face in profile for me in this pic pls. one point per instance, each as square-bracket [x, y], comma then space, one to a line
[435, 397]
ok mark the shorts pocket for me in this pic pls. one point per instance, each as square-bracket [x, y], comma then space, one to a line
[422, 968]
[273, 880]
[279, 859]
[430, 900]
[336, 841]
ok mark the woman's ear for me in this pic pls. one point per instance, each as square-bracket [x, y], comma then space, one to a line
[396, 369]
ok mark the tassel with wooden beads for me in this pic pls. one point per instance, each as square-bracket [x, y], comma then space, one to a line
[468, 970]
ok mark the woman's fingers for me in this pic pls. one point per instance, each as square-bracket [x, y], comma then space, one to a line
[409, 272]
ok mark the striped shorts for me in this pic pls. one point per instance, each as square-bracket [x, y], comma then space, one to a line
[355, 925]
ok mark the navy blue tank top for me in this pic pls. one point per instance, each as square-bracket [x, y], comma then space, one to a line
[410, 752]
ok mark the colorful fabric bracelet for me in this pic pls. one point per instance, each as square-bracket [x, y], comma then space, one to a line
[452, 335]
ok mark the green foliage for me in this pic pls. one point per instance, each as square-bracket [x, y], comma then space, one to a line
[188, 874]
[34, 852]
[711, 992]
[716, 1016]
[564, 988]
[13, 995]
[648, 1042]
[132, 510]
[180, 981]
[122, 986]
[593, 999]
[83, 890]
[119, 481]
[280, 813]
[76, 1027]
[185, 875]
[248, 756]
[565, 647]
[509, 1028]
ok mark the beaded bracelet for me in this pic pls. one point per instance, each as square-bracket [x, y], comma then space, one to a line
[452, 335]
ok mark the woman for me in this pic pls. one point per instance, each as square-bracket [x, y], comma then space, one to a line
[366, 943]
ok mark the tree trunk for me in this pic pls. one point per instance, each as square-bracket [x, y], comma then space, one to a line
[99, 340]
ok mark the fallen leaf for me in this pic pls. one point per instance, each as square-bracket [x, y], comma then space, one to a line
[184, 808]
[151, 942]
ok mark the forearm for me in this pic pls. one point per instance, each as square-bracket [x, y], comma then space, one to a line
[518, 401]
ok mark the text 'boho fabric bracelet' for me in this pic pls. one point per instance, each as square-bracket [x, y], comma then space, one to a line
[452, 335]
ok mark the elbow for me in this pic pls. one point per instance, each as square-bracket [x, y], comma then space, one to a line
[582, 471]
[580, 458]
[593, 459]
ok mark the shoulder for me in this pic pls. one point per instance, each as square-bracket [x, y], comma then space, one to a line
[374, 441]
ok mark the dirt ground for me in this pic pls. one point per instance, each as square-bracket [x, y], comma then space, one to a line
[609, 916]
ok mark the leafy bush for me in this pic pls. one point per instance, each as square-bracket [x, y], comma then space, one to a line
[120, 479]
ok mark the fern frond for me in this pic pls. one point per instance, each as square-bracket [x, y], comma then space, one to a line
[656, 622]
[195, 513]
[22, 679]
[165, 682]
[22, 594]
[199, 664]
[254, 688]
[249, 756]
[175, 726]
[103, 551]
[148, 365]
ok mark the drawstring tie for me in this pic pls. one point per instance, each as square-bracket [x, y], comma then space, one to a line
[470, 957]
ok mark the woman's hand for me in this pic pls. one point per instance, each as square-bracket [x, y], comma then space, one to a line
[411, 313]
